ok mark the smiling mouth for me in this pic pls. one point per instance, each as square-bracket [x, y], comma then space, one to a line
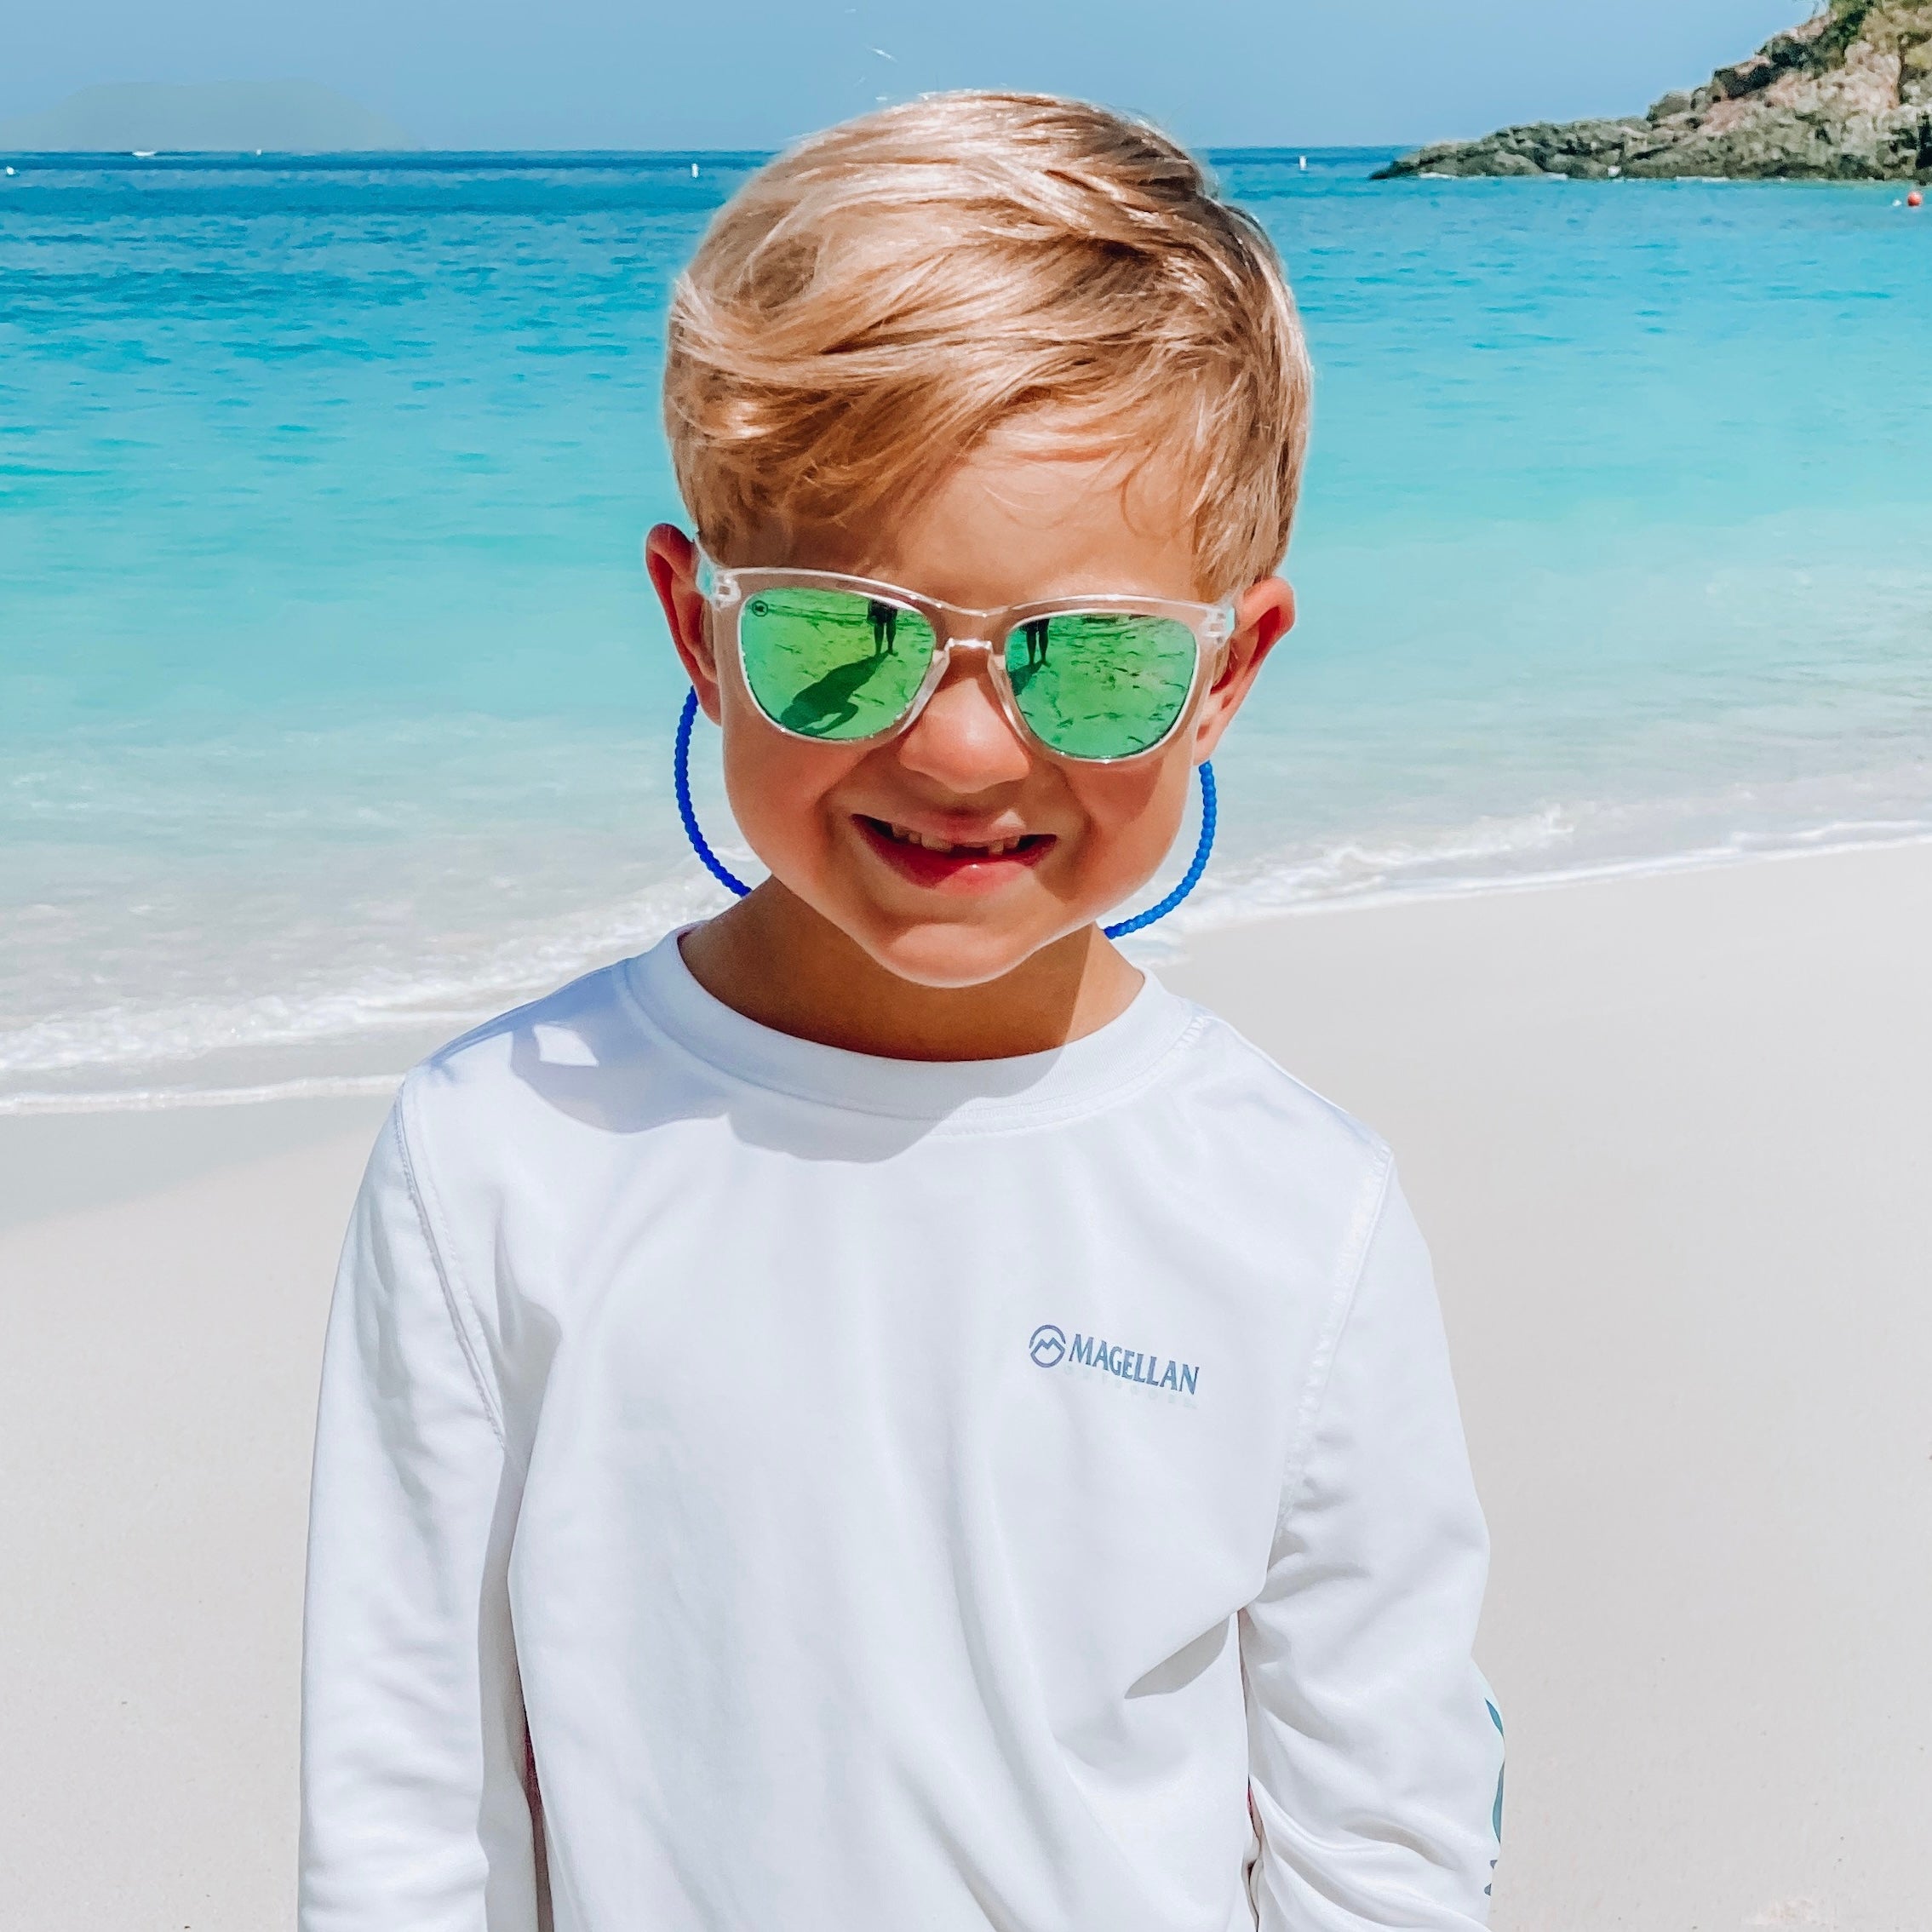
[1000, 848]
[929, 859]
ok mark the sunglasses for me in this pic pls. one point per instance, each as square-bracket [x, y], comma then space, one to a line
[842, 660]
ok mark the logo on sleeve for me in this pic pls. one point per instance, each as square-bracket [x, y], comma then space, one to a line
[1051, 1347]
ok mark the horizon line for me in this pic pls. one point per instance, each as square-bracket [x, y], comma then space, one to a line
[682, 153]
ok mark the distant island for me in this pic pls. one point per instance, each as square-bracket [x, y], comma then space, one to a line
[1847, 96]
[221, 117]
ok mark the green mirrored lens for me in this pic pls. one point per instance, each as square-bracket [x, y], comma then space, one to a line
[833, 663]
[1101, 683]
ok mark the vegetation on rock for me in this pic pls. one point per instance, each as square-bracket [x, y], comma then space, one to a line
[1845, 96]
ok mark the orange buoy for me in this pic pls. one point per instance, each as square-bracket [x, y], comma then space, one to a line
[1914, 199]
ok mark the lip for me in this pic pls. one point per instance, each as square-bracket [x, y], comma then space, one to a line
[955, 871]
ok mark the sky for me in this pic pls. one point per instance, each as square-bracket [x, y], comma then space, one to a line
[753, 73]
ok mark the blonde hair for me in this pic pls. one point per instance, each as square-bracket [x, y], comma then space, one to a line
[873, 304]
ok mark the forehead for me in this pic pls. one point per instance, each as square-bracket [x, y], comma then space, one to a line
[1012, 522]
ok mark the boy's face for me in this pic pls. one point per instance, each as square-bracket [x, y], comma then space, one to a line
[836, 824]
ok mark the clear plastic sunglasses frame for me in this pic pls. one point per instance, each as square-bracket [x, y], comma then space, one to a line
[955, 628]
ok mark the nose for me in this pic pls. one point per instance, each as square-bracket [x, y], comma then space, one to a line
[961, 740]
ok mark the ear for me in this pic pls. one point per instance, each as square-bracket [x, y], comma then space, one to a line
[671, 559]
[1264, 614]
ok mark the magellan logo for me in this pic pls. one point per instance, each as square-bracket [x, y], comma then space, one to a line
[1049, 1346]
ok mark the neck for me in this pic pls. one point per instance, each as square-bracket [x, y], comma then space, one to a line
[777, 961]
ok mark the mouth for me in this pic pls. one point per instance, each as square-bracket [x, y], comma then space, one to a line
[927, 859]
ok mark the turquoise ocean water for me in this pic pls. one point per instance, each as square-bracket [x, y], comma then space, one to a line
[334, 713]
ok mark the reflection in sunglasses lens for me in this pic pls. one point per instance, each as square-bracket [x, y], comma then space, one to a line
[832, 664]
[1101, 683]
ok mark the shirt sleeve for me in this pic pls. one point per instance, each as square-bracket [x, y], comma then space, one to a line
[415, 1813]
[1375, 1751]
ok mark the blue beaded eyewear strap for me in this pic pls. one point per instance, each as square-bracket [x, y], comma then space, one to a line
[681, 783]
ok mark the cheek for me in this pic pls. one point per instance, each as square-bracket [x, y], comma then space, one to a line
[778, 785]
[1132, 811]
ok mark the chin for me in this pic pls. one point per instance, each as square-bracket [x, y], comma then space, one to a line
[947, 957]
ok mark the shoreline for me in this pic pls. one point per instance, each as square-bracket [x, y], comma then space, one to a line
[1667, 1139]
[1164, 949]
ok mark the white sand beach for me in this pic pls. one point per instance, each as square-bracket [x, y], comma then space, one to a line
[1671, 1139]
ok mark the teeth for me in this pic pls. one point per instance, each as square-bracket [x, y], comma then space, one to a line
[906, 836]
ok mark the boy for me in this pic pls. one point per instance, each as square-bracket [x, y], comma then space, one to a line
[874, 1415]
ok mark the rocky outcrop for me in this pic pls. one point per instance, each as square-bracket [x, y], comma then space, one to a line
[1847, 96]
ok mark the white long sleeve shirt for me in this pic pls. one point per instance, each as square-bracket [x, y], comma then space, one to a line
[764, 1486]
